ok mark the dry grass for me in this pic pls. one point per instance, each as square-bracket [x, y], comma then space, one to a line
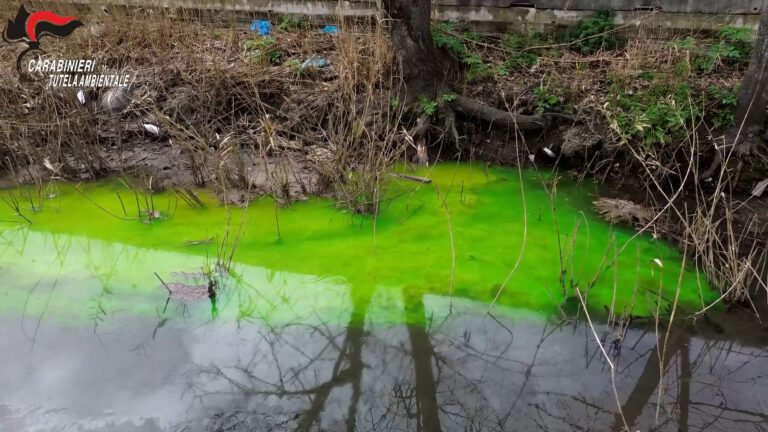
[235, 111]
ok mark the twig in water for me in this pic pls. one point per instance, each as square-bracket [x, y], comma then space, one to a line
[277, 220]
[14, 205]
[164, 284]
[453, 248]
[412, 178]
[121, 202]
[525, 225]
[669, 331]
[605, 354]
[98, 206]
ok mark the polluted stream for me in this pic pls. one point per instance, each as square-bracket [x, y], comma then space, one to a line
[125, 311]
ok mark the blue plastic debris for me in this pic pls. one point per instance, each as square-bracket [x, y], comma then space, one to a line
[316, 61]
[330, 29]
[261, 28]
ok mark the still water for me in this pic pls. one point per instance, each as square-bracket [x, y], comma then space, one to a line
[117, 315]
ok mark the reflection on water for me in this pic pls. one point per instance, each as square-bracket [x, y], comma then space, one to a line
[468, 372]
[293, 352]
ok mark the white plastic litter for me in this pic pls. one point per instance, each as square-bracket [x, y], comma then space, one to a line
[152, 129]
[760, 188]
[115, 100]
[658, 263]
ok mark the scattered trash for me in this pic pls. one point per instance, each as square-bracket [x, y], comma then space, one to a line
[153, 214]
[330, 29]
[421, 155]
[262, 28]
[115, 100]
[760, 188]
[152, 129]
[81, 97]
[53, 169]
[549, 152]
[197, 242]
[531, 157]
[315, 61]
[658, 263]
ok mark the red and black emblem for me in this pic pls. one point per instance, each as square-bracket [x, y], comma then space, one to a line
[30, 28]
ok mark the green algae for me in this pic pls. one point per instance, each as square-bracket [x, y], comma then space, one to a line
[88, 254]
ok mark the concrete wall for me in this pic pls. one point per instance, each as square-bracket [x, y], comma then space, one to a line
[673, 6]
[662, 15]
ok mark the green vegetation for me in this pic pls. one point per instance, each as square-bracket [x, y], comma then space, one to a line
[639, 109]
[477, 68]
[522, 60]
[463, 48]
[263, 50]
[665, 114]
[286, 23]
[726, 100]
[731, 46]
[295, 66]
[595, 34]
[517, 42]
[544, 99]
[441, 33]
[661, 115]
[430, 106]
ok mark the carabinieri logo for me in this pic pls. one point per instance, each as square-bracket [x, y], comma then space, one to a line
[30, 28]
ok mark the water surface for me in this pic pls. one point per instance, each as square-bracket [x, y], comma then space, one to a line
[330, 320]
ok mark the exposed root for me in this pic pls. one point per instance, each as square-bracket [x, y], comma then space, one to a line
[472, 108]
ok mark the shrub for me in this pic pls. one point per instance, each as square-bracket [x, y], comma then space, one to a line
[732, 46]
[660, 116]
[442, 38]
[544, 99]
[262, 50]
[591, 35]
[726, 99]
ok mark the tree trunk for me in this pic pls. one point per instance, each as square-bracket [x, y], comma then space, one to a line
[415, 50]
[424, 71]
[752, 98]
[749, 115]
[473, 108]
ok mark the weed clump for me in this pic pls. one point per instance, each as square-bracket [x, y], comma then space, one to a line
[464, 48]
[731, 46]
[595, 34]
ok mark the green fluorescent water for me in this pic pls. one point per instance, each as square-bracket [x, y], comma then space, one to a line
[76, 260]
